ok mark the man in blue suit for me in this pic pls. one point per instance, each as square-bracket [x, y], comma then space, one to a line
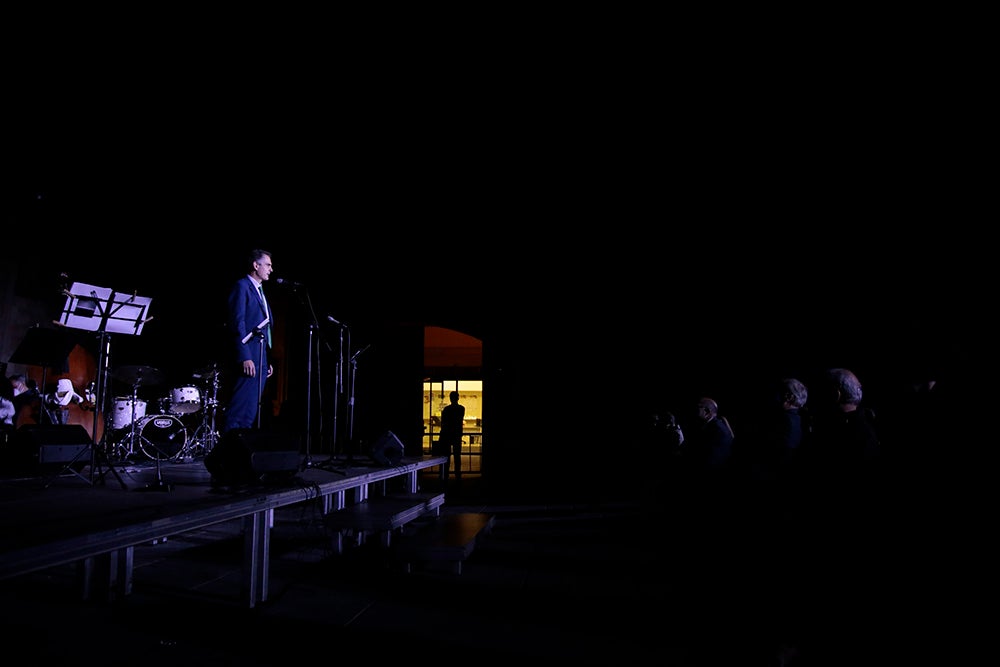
[247, 309]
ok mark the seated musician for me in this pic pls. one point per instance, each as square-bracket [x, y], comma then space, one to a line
[26, 399]
[57, 403]
[7, 410]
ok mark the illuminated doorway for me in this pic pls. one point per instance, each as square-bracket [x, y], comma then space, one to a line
[453, 361]
[470, 394]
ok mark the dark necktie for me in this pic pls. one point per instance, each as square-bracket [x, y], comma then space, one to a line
[267, 328]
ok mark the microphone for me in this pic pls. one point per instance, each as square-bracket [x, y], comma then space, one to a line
[290, 283]
[330, 317]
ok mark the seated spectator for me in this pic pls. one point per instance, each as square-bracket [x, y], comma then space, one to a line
[709, 443]
[771, 451]
[665, 436]
[844, 445]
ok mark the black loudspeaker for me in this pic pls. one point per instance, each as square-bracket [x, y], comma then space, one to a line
[247, 456]
[387, 450]
[43, 444]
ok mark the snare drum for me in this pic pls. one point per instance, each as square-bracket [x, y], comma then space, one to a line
[185, 400]
[123, 417]
[161, 436]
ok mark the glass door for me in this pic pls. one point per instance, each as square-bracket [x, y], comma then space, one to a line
[470, 394]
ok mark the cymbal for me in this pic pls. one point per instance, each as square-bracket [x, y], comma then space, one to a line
[139, 375]
[206, 373]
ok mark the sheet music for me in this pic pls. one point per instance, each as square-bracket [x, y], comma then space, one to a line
[90, 307]
[257, 329]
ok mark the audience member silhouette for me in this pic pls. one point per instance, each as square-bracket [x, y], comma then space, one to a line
[844, 445]
[709, 444]
[704, 476]
[657, 450]
[838, 528]
[762, 513]
[663, 437]
[771, 451]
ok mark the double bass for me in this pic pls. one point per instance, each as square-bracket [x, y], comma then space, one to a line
[83, 374]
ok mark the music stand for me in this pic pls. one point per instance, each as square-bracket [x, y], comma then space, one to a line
[106, 311]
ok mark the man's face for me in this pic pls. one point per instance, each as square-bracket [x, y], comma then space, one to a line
[263, 267]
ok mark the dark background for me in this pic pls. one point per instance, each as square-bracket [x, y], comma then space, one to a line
[627, 310]
[616, 255]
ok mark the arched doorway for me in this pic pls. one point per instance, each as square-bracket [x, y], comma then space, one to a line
[454, 361]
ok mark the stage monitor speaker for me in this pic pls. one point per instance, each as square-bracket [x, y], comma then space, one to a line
[43, 444]
[387, 450]
[247, 456]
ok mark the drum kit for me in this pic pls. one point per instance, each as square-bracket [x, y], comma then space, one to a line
[164, 436]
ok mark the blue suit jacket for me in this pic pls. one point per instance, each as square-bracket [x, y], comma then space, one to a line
[246, 311]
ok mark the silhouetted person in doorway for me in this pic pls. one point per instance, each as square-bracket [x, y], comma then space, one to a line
[450, 438]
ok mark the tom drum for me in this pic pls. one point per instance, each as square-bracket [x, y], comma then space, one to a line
[185, 400]
[123, 417]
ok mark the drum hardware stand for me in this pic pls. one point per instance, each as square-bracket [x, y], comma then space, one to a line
[140, 375]
[206, 436]
[105, 311]
[159, 484]
[130, 449]
[119, 450]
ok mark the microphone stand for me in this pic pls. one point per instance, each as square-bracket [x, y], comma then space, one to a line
[350, 404]
[261, 376]
[339, 382]
[338, 389]
[258, 333]
[313, 326]
[309, 374]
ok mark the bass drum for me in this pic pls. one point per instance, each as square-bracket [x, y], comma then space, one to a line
[161, 436]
